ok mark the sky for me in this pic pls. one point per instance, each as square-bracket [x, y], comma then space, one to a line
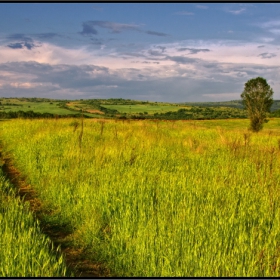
[166, 52]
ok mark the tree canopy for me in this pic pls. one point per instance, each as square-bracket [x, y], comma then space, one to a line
[257, 98]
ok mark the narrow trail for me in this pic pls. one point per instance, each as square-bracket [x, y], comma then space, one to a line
[76, 259]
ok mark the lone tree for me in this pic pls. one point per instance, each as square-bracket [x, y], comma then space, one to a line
[257, 98]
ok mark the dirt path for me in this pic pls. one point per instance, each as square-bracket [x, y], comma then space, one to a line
[76, 259]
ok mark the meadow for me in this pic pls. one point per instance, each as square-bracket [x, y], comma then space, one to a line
[24, 250]
[158, 198]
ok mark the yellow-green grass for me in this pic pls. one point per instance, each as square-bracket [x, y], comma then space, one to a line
[156, 198]
[230, 124]
[24, 250]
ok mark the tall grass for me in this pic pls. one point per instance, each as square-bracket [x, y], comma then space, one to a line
[159, 198]
[24, 250]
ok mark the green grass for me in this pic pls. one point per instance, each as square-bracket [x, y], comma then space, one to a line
[156, 198]
[24, 250]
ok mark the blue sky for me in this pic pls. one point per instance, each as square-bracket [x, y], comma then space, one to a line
[174, 52]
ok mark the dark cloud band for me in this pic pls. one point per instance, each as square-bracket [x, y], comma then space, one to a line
[25, 42]
[267, 55]
[193, 50]
[90, 28]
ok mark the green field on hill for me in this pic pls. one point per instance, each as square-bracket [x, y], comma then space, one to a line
[36, 105]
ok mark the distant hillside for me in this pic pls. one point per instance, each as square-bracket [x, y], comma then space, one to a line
[124, 109]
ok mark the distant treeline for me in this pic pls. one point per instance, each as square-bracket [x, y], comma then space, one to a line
[114, 101]
[36, 115]
[275, 114]
[195, 113]
[232, 104]
[34, 99]
[10, 104]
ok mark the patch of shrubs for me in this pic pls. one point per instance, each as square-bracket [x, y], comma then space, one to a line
[36, 115]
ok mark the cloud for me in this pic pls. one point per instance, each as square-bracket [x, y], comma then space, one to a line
[266, 39]
[25, 42]
[149, 62]
[156, 33]
[269, 24]
[71, 81]
[175, 83]
[231, 51]
[29, 45]
[121, 56]
[237, 12]
[21, 45]
[49, 35]
[116, 27]
[181, 59]
[155, 53]
[267, 55]
[161, 48]
[193, 50]
[275, 31]
[133, 54]
[62, 76]
[89, 27]
[19, 36]
[162, 71]
[272, 26]
[96, 41]
[22, 85]
[77, 77]
[48, 53]
[16, 46]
